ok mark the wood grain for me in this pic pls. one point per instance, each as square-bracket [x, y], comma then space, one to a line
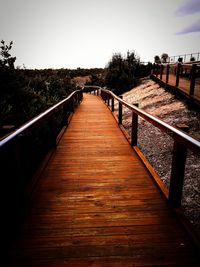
[97, 205]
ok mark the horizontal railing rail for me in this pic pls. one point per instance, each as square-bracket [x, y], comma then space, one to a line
[42, 116]
[91, 88]
[21, 155]
[185, 57]
[191, 72]
[182, 142]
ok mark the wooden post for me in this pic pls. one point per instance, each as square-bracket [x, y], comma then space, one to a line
[152, 69]
[105, 97]
[192, 79]
[120, 111]
[108, 101]
[161, 71]
[156, 70]
[134, 129]
[80, 96]
[113, 104]
[178, 74]
[178, 171]
[72, 104]
[102, 94]
[52, 131]
[76, 100]
[167, 73]
[65, 113]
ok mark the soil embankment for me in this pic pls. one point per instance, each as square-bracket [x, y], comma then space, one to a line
[157, 146]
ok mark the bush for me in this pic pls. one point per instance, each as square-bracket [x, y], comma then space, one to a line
[26, 93]
[123, 73]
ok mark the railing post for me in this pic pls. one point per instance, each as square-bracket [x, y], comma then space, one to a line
[161, 71]
[80, 96]
[105, 97]
[167, 74]
[178, 74]
[108, 101]
[156, 70]
[72, 104]
[52, 131]
[192, 79]
[76, 100]
[102, 94]
[113, 104]
[177, 174]
[152, 69]
[120, 111]
[134, 128]
[178, 170]
[65, 115]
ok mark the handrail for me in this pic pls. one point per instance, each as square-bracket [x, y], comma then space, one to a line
[184, 56]
[23, 155]
[182, 142]
[188, 141]
[35, 120]
[191, 71]
[91, 88]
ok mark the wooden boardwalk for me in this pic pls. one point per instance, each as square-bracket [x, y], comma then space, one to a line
[97, 205]
[184, 85]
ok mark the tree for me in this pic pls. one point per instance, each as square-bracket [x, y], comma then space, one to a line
[192, 59]
[157, 59]
[6, 60]
[164, 57]
[120, 75]
[180, 59]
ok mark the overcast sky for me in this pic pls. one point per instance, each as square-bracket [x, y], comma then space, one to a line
[85, 33]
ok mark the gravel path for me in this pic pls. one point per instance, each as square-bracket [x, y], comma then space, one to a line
[157, 146]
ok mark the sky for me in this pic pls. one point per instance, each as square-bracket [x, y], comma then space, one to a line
[86, 33]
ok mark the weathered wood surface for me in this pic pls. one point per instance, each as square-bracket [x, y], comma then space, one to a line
[96, 204]
[184, 85]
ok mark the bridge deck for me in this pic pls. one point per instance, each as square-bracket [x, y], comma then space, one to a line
[184, 85]
[97, 205]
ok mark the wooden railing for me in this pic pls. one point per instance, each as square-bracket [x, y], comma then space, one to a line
[185, 57]
[182, 141]
[190, 72]
[21, 153]
[91, 89]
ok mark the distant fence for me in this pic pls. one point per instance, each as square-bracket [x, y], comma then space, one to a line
[185, 57]
[21, 154]
[180, 75]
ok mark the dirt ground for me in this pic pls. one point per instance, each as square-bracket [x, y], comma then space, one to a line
[157, 146]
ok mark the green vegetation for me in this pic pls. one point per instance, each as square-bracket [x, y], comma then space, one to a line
[162, 59]
[123, 73]
[157, 59]
[25, 93]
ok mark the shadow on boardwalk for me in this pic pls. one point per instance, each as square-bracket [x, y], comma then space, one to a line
[97, 205]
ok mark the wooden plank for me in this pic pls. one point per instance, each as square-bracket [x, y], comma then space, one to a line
[97, 205]
[184, 86]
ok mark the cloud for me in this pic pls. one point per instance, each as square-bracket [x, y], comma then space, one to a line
[195, 27]
[188, 7]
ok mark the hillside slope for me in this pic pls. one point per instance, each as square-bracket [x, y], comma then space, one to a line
[157, 146]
